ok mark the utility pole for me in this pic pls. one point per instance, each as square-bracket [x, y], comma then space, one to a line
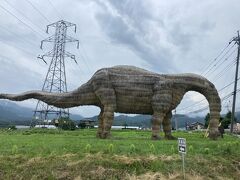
[237, 41]
[55, 80]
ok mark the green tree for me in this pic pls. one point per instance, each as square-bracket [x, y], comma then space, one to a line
[82, 125]
[65, 124]
[12, 127]
[226, 121]
[207, 119]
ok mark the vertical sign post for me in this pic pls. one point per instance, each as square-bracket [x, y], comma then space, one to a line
[182, 148]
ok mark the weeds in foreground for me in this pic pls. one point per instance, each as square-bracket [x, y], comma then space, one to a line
[88, 148]
[50, 154]
[110, 148]
[152, 149]
[132, 149]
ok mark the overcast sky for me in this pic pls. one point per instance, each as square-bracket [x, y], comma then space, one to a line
[159, 35]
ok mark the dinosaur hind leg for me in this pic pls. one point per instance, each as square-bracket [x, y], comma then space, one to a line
[167, 126]
[108, 116]
[100, 124]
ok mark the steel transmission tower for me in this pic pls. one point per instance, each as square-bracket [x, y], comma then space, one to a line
[55, 80]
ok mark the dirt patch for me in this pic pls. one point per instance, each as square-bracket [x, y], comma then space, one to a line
[153, 176]
[32, 162]
[98, 155]
[69, 155]
[130, 160]
[101, 173]
[78, 178]
[74, 163]
[168, 158]
[62, 175]
[157, 176]
[125, 159]
[98, 172]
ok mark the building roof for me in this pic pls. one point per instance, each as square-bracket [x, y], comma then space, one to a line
[196, 123]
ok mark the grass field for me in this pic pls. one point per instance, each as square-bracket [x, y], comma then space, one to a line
[56, 154]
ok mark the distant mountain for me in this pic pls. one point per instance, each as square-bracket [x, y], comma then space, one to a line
[145, 120]
[13, 114]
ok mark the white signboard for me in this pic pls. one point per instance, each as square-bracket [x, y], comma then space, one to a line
[182, 146]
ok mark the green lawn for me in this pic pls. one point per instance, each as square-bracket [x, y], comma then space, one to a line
[55, 154]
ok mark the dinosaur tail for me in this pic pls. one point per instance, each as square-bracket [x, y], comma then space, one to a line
[55, 99]
[193, 82]
[81, 96]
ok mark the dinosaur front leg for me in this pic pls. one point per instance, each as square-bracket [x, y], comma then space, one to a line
[161, 102]
[167, 126]
[157, 119]
[108, 115]
[108, 101]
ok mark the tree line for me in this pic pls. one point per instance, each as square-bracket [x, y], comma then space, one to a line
[224, 121]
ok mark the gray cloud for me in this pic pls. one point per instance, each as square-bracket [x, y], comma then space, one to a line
[15, 78]
[133, 32]
[183, 38]
[162, 36]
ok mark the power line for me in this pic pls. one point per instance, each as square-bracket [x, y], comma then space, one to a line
[194, 104]
[222, 72]
[227, 85]
[197, 103]
[222, 62]
[219, 74]
[204, 74]
[56, 10]
[206, 107]
[34, 7]
[20, 20]
[21, 49]
[206, 67]
[17, 36]
[85, 57]
[23, 15]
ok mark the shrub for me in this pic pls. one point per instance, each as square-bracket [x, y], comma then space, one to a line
[12, 127]
[65, 124]
[27, 133]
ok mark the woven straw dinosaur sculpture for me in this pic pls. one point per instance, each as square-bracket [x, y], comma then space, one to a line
[128, 89]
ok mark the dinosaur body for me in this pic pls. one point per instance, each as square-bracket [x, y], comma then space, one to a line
[128, 89]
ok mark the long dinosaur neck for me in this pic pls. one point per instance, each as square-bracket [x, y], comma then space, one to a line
[81, 96]
[207, 89]
[192, 82]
